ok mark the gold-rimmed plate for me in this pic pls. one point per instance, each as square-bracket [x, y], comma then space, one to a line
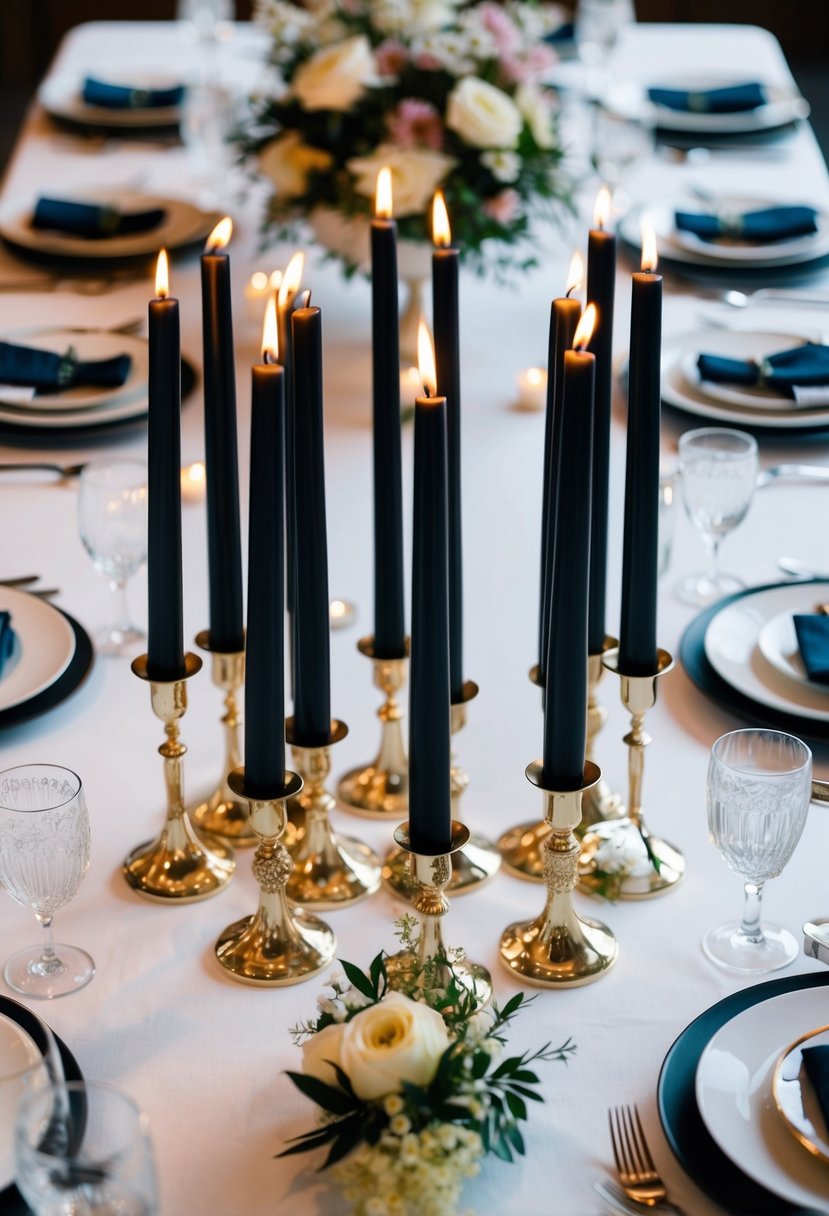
[795, 1098]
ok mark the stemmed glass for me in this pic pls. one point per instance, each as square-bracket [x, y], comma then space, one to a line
[84, 1149]
[718, 471]
[759, 786]
[44, 854]
[112, 518]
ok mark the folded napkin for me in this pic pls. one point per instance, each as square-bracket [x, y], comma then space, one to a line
[789, 371]
[92, 220]
[731, 100]
[564, 33]
[816, 1063]
[6, 639]
[46, 370]
[813, 643]
[764, 226]
[129, 97]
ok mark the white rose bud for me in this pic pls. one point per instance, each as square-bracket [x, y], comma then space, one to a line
[536, 110]
[482, 115]
[396, 1040]
[288, 160]
[321, 1051]
[336, 76]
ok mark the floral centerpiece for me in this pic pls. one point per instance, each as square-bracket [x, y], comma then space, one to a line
[449, 94]
[411, 1086]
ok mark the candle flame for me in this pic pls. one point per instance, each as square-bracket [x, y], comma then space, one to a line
[270, 333]
[305, 299]
[441, 231]
[649, 256]
[383, 207]
[162, 276]
[585, 327]
[601, 208]
[426, 359]
[220, 236]
[291, 279]
[575, 275]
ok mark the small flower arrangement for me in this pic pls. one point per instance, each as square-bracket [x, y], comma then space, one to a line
[448, 93]
[622, 852]
[411, 1086]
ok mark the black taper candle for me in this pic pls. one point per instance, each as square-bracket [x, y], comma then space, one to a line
[224, 545]
[287, 294]
[312, 680]
[165, 635]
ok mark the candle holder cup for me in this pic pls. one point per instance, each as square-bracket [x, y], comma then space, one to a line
[330, 870]
[381, 789]
[599, 803]
[277, 945]
[559, 949]
[662, 864]
[222, 815]
[176, 867]
[479, 860]
[432, 875]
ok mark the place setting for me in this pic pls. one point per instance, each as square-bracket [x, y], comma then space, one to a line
[121, 100]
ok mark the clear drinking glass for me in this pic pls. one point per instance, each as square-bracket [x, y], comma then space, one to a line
[44, 854]
[758, 791]
[718, 470]
[112, 519]
[84, 1149]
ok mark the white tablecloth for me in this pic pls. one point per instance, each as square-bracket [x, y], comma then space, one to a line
[205, 1056]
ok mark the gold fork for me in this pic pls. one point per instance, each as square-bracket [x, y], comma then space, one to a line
[637, 1173]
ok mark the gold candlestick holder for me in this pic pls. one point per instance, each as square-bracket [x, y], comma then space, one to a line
[222, 815]
[176, 867]
[432, 875]
[278, 945]
[381, 789]
[559, 949]
[330, 870]
[660, 865]
[600, 803]
[479, 860]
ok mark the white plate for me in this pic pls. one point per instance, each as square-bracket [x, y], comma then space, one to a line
[18, 1054]
[43, 647]
[630, 100]
[97, 344]
[778, 644]
[798, 1104]
[183, 224]
[731, 646]
[733, 1091]
[61, 96]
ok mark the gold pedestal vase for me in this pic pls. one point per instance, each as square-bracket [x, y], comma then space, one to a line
[381, 789]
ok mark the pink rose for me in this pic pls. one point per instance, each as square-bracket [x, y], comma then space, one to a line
[427, 62]
[416, 124]
[503, 207]
[503, 30]
[391, 57]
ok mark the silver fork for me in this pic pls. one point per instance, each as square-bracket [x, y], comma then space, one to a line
[637, 1173]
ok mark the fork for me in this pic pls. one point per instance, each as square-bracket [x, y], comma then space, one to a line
[64, 471]
[634, 1163]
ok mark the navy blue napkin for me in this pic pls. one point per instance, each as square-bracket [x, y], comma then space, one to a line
[564, 33]
[763, 226]
[92, 220]
[813, 642]
[734, 99]
[129, 97]
[816, 1063]
[6, 639]
[46, 370]
[803, 365]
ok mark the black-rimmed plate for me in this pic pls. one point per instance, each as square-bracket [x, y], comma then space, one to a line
[67, 683]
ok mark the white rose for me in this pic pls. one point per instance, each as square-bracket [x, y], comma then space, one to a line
[396, 1040]
[504, 166]
[411, 16]
[322, 1047]
[535, 109]
[288, 160]
[415, 175]
[336, 76]
[482, 115]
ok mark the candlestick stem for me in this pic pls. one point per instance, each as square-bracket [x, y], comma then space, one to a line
[221, 815]
[559, 949]
[278, 945]
[176, 867]
[381, 789]
[599, 802]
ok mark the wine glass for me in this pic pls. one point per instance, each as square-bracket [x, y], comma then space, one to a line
[758, 791]
[718, 471]
[44, 854]
[84, 1149]
[112, 519]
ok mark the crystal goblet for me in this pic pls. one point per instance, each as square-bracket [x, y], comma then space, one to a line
[112, 520]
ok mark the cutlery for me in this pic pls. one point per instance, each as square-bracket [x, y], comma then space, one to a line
[795, 568]
[820, 791]
[23, 581]
[64, 471]
[773, 295]
[702, 155]
[637, 1173]
[618, 1202]
[797, 472]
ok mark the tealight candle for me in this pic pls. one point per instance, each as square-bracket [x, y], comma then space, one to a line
[193, 482]
[341, 613]
[532, 388]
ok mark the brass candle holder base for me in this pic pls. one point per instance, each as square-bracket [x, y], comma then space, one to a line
[559, 949]
[478, 861]
[278, 945]
[221, 815]
[599, 803]
[432, 874]
[381, 789]
[648, 866]
[330, 870]
[176, 867]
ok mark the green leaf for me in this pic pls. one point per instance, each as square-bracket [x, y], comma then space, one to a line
[518, 1109]
[502, 1149]
[326, 1096]
[480, 1063]
[516, 1138]
[347, 1140]
[526, 1093]
[507, 1066]
[511, 1007]
[359, 980]
[377, 970]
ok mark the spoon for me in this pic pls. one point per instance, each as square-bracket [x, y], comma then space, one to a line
[794, 568]
[742, 299]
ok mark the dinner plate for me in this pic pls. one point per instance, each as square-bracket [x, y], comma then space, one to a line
[736, 1103]
[695, 1149]
[630, 100]
[88, 345]
[62, 688]
[62, 97]
[19, 1054]
[43, 647]
[794, 1096]
[778, 645]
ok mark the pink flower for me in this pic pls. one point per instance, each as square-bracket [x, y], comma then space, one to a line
[427, 62]
[528, 68]
[503, 30]
[540, 58]
[416, 124]
[391, 57]
[503, 207]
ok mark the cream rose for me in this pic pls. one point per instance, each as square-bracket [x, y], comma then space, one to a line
[411, 16]
[536, 110]
[336, 76]
[322, 1047]
[415, 175]
[288, 160]
[396, 1040]
[482, 115]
